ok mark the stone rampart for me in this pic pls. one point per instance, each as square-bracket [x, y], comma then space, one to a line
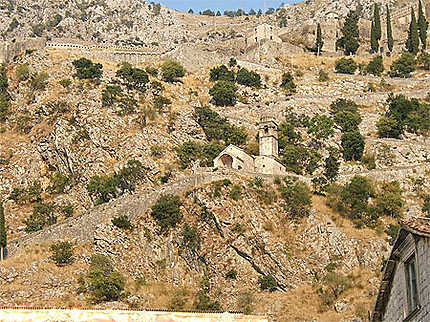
[81, 228]
[9, 49]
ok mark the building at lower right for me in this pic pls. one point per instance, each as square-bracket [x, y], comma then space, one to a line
[404, 293]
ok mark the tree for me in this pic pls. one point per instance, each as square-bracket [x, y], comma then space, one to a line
[221, 73]
[374, 45]
[171, 71]
[424, 60]
[353, 146]
[166, 212]
[390, 38]
[4, 94]
[321, 127]
[252, 12]
[232, 62]
[62, 253]
[218, 13]
[133, 78]
[259, 13]
[319, 43]
[288, 82]
[350, 40]
[332, 165]
[347, 121]
[3, 236]
[248, 78]
[375, 66]
[413, 41]
[346, 66]
[388, 127]
[356, 195]
[422, 26]
[224, 93]
[403, 66]
[377, 22]
[208, 12]
[86, 69]
[191, 11]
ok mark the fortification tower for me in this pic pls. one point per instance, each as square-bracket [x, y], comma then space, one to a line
[268, 137]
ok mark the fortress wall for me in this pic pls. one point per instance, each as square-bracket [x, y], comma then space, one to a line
[9, 49]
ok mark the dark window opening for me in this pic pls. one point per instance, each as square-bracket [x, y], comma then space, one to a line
[411, 283]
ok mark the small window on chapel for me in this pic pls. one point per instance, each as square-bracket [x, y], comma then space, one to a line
[411, 283]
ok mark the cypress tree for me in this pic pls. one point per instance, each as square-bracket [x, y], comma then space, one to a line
[350, 40]
[319, 42]
[422, 26]
[413, 41]
[377, 22]
[389, 31]
[373, 40]
[3, 240]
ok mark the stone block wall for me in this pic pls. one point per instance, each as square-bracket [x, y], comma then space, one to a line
[397, 310]
[9, 49]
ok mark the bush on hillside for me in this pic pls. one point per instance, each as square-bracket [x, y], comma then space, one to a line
[224, 93]
[133, 78]
[43, 215]
[352, 145]
[375, 66]
[221, 73]
[346, 66]
[248, 78]
[216, 127]
[86, 69]
[287, 83]
[166, 212]
[171, 71]
[403, 66]
[62, 253]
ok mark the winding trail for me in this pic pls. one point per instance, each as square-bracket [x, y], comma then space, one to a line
[81, 228]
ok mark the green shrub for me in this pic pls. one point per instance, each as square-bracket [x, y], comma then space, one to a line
[86, 69]
[321, 127]
[343, 105]
[191, 238]
[43, 215]
[332, 165]
[65, 82]
[153, 71]
[224, 93]
[157, 150]
[133, 78]
[389, 200]
[347, 121]
[258, 182]
[191, 151]
[404, 114]
[334, 286]
[268, 282]
[111, 95]
[166, 212]
[236, 192]
[426, 205]
[122, 222]
[375, 66]
[31, 194]
[105, 288]
[353, 146]
[388, 127]
[38, 82]
[232, 62]
[171, 71]
[22, 73]
[423, 60]
[204, 302]
[62, 253]
[323, 76]
[59, 182]
[355, 196]
[299, 159]
[346, 66]
[297, 197]
[161, 102]
[231, 274]
[66, 209]
[221, 73]
[403, 66]
[287, 83]
[104, 188]
[248, 78]
[369, 160]
[217, 128]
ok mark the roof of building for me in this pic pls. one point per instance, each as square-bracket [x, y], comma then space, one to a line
[417, 226]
